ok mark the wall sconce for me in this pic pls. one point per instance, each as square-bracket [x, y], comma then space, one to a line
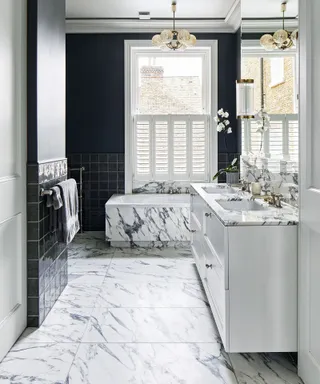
[245, 99]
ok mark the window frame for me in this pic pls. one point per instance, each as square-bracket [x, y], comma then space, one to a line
[208, 49]
[252, 48]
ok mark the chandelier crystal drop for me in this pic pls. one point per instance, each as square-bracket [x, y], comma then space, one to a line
[172, 39]
[281, 39]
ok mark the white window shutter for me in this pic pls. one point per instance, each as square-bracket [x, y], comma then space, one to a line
[161, 147]
[180, 148]
[281, 141]
[171, 148]
[143, 148]
[293, 133]
[255, 138]
[276, 138]
[199, 148]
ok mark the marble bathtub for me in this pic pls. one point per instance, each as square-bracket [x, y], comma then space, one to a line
[148, 220]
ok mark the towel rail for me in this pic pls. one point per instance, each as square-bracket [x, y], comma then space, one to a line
[44, 192]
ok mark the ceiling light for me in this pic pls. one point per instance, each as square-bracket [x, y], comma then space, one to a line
[282, 39]
[173, 39]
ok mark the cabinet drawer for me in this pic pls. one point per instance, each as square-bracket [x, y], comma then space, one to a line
[197, 207]
[215, 281]
[215, 232]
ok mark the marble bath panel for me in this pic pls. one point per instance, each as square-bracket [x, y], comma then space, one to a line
[158, 225]
[152, 364]
[161, 187]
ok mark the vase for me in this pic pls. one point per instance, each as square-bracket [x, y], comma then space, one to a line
[256, 188]
[232, 177]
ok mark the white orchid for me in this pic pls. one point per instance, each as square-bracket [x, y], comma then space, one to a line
[220, 127]
[221, 119]
[263, 121]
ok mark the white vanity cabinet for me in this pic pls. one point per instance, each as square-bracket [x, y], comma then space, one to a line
[249, 274]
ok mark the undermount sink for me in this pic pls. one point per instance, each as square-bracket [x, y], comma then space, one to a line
[241, 205]
[219, 190]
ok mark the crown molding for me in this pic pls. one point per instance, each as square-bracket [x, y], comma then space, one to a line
[267, 25]
[233, 17]
[148, 26]
[253, 48]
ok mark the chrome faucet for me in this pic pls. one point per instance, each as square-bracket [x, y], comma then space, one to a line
[245, 185]
[275, 200]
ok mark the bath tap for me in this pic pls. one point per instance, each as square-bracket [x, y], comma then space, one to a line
[275, 200]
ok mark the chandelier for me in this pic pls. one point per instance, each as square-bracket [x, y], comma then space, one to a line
[173, 39]
[281, 39]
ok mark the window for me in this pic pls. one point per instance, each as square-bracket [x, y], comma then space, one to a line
[276, 71]
[280, 142]
[169, 133]
[275, 77]
[171, 147]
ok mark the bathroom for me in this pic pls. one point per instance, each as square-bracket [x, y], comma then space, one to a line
[192, 159]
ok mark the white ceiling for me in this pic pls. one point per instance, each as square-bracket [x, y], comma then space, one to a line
[157, 8]
[268, 8]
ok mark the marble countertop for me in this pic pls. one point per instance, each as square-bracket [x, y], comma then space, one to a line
[287, 215]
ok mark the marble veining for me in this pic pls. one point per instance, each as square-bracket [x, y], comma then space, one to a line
[286, 181]
[152, 364]
[287, 215]
[275, 368]
[145, 269]
[173, 187]
[122, 294]
[38, 363]
[142, 320]
[154, 325]
[147, 222]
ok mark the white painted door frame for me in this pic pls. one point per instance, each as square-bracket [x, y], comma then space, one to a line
[309, 236]
[13, 271]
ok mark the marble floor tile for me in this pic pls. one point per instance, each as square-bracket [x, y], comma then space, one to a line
[38, 363]
[264, 368]
[78, 296]
[153, 294]
[151, 364]
[154, 252]
[90, 266]
[87, 252]
[150, 269]
[62, 325]
[88, 279]
[150, 325]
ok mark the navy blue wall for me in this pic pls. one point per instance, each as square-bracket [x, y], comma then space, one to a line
[95, 90]
[46, 80]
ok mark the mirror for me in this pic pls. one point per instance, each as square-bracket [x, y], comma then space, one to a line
[269, 56]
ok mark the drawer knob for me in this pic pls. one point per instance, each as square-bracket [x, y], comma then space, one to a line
[207, 214]
[209, 266]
